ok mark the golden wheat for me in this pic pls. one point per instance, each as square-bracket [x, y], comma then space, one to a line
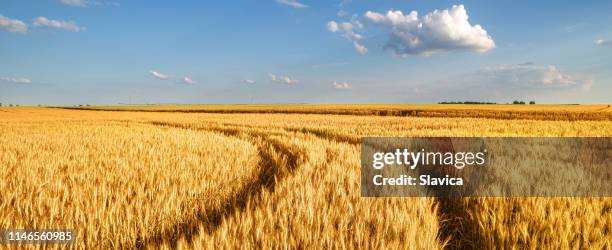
[116, 185]
[250, 180]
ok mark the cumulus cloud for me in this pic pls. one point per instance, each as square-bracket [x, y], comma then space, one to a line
[292, 3]
[43, 22]
[394, 18]
[601, 42]
[85, 3]
[341, 85]
[282, 79]
[19, 80]
[360, 48]
[530, 75]
[347, 30]
[188, 80]
[272, 77]
[159, 75]
[438, 31]
[249, 81]
[525, 81]
[332, 26]
[12, 25]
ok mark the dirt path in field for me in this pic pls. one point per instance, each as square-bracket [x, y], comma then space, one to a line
[457, 225]
[457, 228]
[272, 170]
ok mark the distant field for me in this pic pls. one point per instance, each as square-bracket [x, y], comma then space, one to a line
[498, 111]
[506, 107]
[251, 176]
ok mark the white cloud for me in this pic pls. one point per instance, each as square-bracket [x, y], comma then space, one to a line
[332, 26]
[78, 3]
[159, 75]
[356, 22]
[292, 3]
[602, 42]
[530, 75]
[19, 80]
[346, 29]
[360, 48]
[272, 77]
[43, 22]
[341, 85]
[249, 81]
[282, 79]
[85, 3]
[394, 18]
[438, 31]
[287, 80]
[12, 25]
[526, 81]
[188, 80]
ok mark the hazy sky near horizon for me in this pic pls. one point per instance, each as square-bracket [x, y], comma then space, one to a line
[65, 52]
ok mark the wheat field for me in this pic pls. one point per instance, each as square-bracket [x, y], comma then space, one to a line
[273, 177]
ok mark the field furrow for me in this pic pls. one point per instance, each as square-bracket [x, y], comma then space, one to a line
[319, 206]
[276, 162]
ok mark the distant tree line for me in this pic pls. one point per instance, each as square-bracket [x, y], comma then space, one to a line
[522, 102]
[10, 105]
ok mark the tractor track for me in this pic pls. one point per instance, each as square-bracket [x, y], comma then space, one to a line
[271, 172]
[457, 228]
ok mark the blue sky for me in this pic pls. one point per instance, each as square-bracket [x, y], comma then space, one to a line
[65, 52]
